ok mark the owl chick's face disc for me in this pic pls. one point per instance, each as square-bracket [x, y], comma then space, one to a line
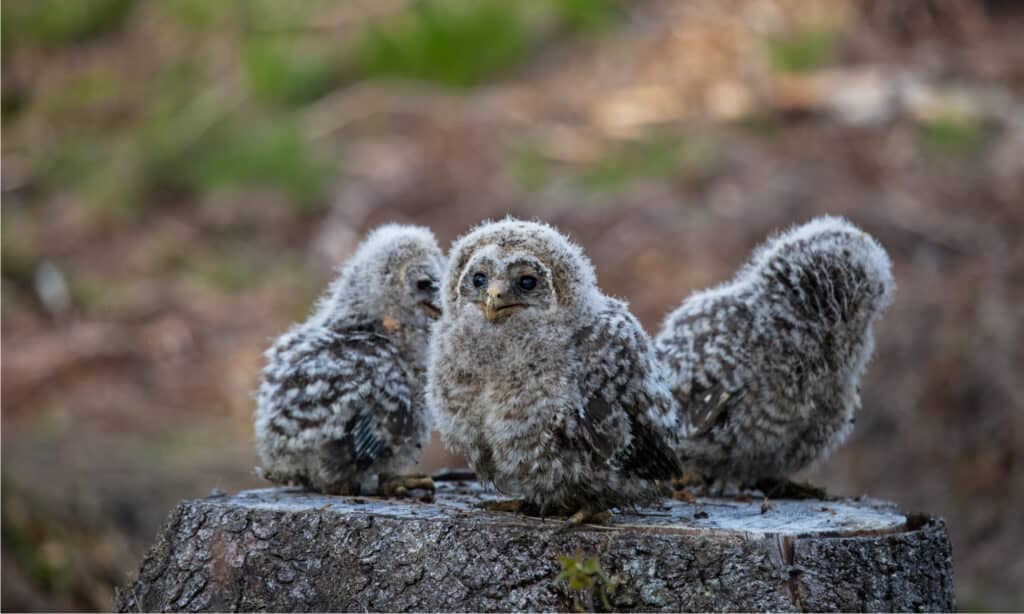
[421, 283]
[502, 286]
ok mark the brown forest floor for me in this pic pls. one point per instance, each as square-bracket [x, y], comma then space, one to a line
[667, 146]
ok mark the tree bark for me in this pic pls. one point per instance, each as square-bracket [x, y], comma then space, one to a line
[287, 550]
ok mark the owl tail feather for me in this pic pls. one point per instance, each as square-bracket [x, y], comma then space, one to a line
[826, 271]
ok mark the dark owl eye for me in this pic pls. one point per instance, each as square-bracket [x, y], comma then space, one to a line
[527, 282]
[479, 279]
[424, 284]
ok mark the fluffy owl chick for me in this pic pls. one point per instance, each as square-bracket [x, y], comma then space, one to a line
[767, 366]
[549, 388]
[341, 400]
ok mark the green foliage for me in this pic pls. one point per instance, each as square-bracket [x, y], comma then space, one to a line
[454, 43]
[44, 557]
[96, 294]
[620, 166]
[953, 136]
[802, 51]
[189, 129]
[199, 15]
[196, 142]
[55, 22]
[587, 577]
[69, 164]
[530, 169]
[270, 153]
[85, 91]
[279, 73]
[586, 15]
[654, 159]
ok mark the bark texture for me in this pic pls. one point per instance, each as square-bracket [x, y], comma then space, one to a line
[286, 550]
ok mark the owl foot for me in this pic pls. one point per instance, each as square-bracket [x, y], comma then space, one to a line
[585, 516]
[400, 485]
[512, 506]
[784, 488]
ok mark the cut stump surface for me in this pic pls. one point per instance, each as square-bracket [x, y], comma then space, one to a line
[283, 549]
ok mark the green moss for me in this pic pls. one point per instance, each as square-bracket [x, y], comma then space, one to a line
[200, 15]
[802, 51]
[586, 577]
[69, 164]
[587, 15]
[458, 44]
[203, 147]
[56, 22]
[106, 177]
[270, 154]
[953, 136]
[530, 169]
[101, 294]
[18, 262]
[652, 160]
[30, 542]
[279, 73]
[620, 166]
[79, 92]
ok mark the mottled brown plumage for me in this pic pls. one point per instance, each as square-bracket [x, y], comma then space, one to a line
[341, 401]
[767, 367]
[550, 388]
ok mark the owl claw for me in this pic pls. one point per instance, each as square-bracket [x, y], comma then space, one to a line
[585, 516]
[400, 485]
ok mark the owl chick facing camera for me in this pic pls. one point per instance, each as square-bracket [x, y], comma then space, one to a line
[551, 389]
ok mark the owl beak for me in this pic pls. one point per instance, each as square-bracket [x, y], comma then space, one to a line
[431, 309]
[500, 303]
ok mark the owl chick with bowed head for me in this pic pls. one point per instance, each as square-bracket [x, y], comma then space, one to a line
[767, 367]
[341, 408]
[551, 389]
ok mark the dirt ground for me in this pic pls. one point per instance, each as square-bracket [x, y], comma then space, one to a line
[668, 144]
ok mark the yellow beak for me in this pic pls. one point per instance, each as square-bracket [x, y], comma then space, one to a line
[499, 303]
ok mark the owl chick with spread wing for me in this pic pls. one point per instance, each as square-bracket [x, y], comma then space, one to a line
[767, 367]
[341, 402]
[550, 388]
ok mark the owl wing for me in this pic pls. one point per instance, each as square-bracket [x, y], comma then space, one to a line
[708, 407]
[623, 392]
[707, 356]
[353, 385]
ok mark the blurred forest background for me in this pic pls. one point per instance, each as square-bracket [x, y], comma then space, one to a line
[179, 177]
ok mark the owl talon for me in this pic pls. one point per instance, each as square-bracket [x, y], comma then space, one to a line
[585, 516]
[400, 485]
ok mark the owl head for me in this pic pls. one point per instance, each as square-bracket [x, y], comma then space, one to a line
[516, 270]
[393, 276]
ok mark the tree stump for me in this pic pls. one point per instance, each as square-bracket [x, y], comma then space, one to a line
[283, 549]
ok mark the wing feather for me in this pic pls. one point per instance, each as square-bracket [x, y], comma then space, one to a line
[626, 401]
[331, 384]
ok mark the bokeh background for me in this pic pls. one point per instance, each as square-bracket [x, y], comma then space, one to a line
[179, 178]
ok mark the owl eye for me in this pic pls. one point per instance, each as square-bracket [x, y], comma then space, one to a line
[527, 282]
[424, 284]
[479, 279]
